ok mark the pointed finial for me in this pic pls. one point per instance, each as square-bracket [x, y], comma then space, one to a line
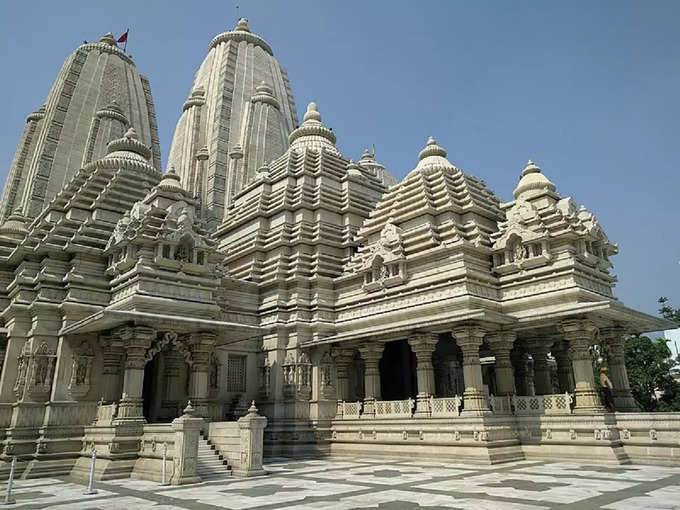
[431, 149]
[171, 174]
[252, 409]
[189, 409]
[108, 39]
[312, 113]
[242, 25]
[531, 168]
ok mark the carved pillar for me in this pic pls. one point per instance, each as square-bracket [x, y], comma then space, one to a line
[137, 340]
[371, 353]
[524, 371]
[539, 352]
[501, 344]
[613, 340]
[423, 344]
[469, 338]
[564, 372]
[113, 353]
[201, 345]
[581, 335]
[343, 360]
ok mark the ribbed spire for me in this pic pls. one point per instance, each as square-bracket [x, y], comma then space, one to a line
[312, 133]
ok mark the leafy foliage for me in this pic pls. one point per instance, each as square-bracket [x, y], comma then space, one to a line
[649, 363]
[668, 312]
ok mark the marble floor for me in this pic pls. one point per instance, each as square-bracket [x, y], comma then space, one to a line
[369, 483]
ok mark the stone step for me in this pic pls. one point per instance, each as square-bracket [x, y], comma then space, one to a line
[210, 465]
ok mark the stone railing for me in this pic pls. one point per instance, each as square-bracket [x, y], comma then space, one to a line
[445, 407]
[542, 404]
[349, 410]
[500, 404]
[394, 408]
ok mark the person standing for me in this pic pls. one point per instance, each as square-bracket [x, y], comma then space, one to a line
[606, 387]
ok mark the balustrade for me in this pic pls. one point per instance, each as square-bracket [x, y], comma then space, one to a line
[542, 404]
[394, 408]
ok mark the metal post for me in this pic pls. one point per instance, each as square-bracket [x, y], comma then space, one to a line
[90, 485]
[10, 481]
[163, 474]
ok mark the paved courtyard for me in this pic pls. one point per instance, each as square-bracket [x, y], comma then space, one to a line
[384, 485]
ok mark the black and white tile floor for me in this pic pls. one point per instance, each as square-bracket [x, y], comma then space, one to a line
[369, 483]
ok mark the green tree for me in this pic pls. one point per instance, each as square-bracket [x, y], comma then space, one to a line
[668, 312]
[648, 363]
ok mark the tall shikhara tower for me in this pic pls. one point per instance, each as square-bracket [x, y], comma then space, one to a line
[97, 95]
[236, 119]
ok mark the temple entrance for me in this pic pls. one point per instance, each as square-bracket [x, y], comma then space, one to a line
[398, 379]
[166, 385]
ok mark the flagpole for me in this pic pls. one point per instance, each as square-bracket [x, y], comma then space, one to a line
[126, 39]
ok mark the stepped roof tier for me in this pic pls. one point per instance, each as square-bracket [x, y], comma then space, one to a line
[98, 93]
[299, 219]
[240, 112]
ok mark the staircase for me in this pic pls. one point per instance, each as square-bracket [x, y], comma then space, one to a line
[211, 465]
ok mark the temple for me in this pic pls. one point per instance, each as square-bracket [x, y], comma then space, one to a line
[149, 316]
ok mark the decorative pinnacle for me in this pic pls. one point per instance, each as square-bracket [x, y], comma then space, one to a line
[312, 113]
[108, 39]
[531, 168]
[131, 133]
[252, 409]
[242, 25]
[189, 409]
[431, 149]
[171, 174]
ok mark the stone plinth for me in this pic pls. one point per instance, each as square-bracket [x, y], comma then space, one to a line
[187, 430]
[251, 431]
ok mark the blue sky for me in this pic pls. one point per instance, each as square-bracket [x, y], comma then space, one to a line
[588, 90]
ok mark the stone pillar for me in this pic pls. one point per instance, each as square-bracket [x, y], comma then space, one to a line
[251, 432]
[371, 353]
[581, 335]
[524, 383]
[137, 340]
[113, 353]
[187, 429]
[343, 360]
[423, 344]
[201, 344]
[469, 338]
[501, 343]
[613, 340]
[564, 372]
[539, 352]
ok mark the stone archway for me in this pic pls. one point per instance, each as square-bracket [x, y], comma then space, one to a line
[166, 379]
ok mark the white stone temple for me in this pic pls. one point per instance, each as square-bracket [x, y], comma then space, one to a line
[363, 315]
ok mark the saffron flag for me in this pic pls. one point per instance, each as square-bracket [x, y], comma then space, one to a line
[123, 38]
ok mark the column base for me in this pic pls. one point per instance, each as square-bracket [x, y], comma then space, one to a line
[131, 409]
[587, 402]
[422, 406]
[369, 408]
[475, 403]
[625, 402]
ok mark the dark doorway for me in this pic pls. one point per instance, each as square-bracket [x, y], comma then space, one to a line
[398, 371]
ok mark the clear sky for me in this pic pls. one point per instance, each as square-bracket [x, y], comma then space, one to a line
[588, 90]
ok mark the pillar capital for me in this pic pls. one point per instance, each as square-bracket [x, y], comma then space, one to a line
[579, 330]
[136, 340]
[372, 351]
[501, 341]
[423, 343]
[342, 356]
[201, 345]
[468, 335]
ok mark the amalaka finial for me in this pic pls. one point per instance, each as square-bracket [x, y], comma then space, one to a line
[312, 113]
[242, 25]
[431, 149]
[531, 168]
